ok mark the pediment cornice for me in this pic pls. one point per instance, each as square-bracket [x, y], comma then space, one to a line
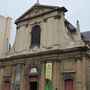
[38, 10]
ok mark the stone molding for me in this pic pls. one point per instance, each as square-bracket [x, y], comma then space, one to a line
[7, 78]
[57, 17]
[31, 65]
[68, 75]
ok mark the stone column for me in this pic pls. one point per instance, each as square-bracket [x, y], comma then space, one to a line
[13, 78]
[56, 76]
[23, 79]
[1, 77]
[84, 66]
[79, 75]
[42, 77]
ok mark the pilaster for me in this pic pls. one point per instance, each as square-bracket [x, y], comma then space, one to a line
[61, 29]
[49, 35]
[79, 75]
[84, 73]
[42, 77]
[23, 78]
[43, 34]
[56, 75]
[1, 77]
[13, 78]
[56, 32]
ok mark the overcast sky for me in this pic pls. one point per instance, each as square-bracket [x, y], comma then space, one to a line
[77, 10]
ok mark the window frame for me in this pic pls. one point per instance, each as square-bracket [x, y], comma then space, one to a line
[35, 36]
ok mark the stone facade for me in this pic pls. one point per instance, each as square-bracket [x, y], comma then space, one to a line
[57, 62]
[5, 28]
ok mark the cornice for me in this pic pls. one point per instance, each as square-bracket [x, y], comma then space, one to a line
[52, 54]
[48, 12]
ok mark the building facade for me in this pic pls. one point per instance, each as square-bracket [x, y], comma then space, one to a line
[48, 53]
[5, 27]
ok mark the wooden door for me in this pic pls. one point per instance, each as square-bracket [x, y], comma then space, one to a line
[69, 84]
[33, 83]
[6, 85]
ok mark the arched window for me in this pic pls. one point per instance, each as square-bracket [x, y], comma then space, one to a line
[35, 35]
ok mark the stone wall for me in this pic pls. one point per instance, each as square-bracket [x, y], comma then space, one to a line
[5, 28]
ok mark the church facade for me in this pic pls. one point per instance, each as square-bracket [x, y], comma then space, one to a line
[48, 53]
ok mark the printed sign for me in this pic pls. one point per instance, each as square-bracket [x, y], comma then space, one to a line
[49, 71]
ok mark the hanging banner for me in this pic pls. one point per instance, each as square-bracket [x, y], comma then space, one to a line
[49, 71]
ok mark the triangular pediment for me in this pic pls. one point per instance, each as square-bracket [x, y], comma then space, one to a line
[35, 10]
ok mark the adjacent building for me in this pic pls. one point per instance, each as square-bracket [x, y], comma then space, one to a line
[49, 53]
[5, 28]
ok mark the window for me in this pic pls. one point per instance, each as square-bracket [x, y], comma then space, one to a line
[35, 35]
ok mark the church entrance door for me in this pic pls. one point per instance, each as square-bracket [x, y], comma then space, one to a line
[33, 83]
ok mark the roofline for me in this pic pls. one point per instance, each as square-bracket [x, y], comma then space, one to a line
[67, 22]
[5, 17]
[40, 5]
[85, 39]
[56, 9]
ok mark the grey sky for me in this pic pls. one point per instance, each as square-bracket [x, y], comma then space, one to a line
[77, 10]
